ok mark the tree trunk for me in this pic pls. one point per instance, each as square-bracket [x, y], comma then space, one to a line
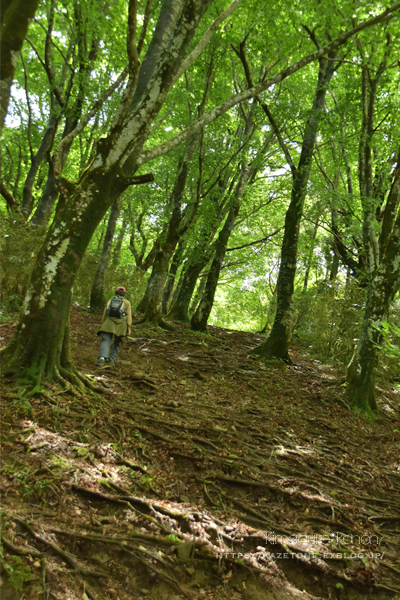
[180, 308]
[360, 374]
[97, 296]
[383, 285]
[270, 313]
[151, 304]
[47, 142]
[15, 18]
[198, 296]
[51, 190]
[334, 267]
[47, 201]
[199, 320]
[199, 258]
[85, 59]
[382, 255]
[277, 343]
[37, 346]
[310, 256]
[118, 245]
[169, 286]
[177, 288]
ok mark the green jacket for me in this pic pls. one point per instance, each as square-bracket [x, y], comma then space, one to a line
[117, 326]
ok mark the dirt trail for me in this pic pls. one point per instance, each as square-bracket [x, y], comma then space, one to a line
[199, 473]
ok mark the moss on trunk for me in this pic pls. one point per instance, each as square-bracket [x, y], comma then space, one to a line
[40, 346]
[277, 343]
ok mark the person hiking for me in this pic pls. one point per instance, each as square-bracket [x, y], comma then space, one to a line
[117, 321]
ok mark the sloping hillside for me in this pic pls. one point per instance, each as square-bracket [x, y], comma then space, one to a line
[198, 472]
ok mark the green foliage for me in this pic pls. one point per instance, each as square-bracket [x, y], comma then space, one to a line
[19, 246]
[22, 407]
[391, 341]
[15, 571]
[88, 51]
[145, 482]
[327, 319]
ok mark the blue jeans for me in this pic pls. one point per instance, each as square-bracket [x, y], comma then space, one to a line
[106, 343]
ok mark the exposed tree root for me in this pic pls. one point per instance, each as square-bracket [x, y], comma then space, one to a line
[65, 555]
[232, 454]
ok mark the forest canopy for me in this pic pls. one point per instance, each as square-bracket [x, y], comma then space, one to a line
[232, 164]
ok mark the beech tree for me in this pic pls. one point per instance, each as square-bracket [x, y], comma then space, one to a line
[277, 343]
[40, 346]
[382, 251]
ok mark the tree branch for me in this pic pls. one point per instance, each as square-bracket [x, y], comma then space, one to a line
[161, 121]
[255, 242]
[312, 35]
[8, 197]
[206, 38]
[250, 93]
[146, 19]
[47, 58]
[389, 214]
[279, 137]
[242, 55]
[139, 179]
[36, 20]
[28, 103]
[84, 121]
[131, 50]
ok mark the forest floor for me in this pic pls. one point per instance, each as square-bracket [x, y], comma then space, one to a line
[200, 472]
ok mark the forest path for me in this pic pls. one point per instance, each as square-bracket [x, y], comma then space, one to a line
[200, 473]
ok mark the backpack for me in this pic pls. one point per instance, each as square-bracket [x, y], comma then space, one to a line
[116, 308]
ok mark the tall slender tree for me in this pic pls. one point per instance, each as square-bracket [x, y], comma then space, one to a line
[97, 295]
[278, 341]
[382, 252]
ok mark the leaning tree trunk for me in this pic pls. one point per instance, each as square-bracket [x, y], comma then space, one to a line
[175, 264]
[36, 349]
[277, 343]
[51, 190]
[151, 304]
[47, 141]
[334, 267]
[198, 296]
[178, 287]
[199, 320]
[15, 18]
[47, 201]
[310, 256]
[118, 246]
[199, 258]
[97, 295]
[180, 308]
